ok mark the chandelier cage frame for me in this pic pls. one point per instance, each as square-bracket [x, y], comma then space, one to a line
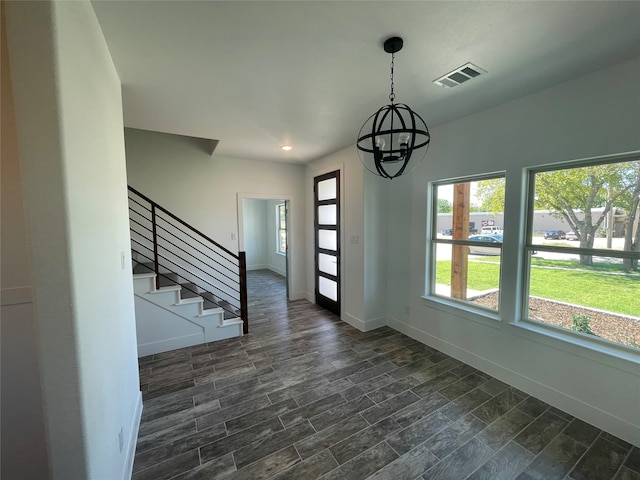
[395, 126]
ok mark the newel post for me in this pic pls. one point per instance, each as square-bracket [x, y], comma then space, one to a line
[244, 314]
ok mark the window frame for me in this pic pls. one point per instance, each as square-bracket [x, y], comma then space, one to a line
[280, 206]
[529, 248]
[433, 240]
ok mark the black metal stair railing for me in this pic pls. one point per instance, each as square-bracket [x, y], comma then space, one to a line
[179, 254]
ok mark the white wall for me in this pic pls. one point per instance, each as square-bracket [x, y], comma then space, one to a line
[255, 233]
[351, 224]
[178, 173]
[260, 234]
[69, 112]
[24, 451]
[594, 115]
[364, 229]
[275, 262]
[375, 249]
[362, 306]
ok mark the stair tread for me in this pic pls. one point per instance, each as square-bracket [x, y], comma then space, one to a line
[189, 290]
[142, 268]
[168, 279]
[210, 300]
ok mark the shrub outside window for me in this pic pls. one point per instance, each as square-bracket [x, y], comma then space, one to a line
[582, 251]
[468, 218]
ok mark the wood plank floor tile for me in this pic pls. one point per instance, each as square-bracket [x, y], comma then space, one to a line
[506, 464]
[305, 395]
[311, 468]
[364, 464]
[330, 436]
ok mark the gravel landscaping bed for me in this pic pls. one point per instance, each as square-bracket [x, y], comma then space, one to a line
[617, 328]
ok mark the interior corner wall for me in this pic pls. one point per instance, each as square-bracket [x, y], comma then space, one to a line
[70, 132]
[23, 445]
[594, 115]
[255, 233]
[375, 248]
[275, 262]
[364, 236]
[259, 233]
[351, 235]
[398, 231]
[175, 172]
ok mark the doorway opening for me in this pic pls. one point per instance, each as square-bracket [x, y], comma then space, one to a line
[264, 234]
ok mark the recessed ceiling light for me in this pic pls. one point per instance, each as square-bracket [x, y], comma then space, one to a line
[286, 148]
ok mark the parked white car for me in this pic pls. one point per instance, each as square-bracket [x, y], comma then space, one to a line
[492, 230]
[571, 236]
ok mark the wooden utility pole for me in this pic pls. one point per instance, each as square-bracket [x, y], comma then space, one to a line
[460, 227]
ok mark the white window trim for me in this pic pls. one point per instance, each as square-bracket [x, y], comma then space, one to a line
[609, 347]
[452, 305]
[278, 229]
[512, 310]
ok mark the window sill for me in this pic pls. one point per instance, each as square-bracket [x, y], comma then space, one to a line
[489, 318]
[281, 254]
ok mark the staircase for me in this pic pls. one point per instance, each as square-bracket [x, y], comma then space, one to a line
[188, 289]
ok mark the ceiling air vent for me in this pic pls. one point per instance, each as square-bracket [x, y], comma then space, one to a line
[459, 75]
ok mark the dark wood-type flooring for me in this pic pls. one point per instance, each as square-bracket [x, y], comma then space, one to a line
[307, 396]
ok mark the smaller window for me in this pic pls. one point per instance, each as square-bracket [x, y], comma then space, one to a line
[466, 245]
[281, 219]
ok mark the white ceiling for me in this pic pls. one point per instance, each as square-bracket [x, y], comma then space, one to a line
[256, 75]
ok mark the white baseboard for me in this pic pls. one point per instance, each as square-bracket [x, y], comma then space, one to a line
[133, 439]
[170, 344]
[277, 270]
[298, 296]
[258, 267]
[364, 325]
[374, 323]
[572, 405]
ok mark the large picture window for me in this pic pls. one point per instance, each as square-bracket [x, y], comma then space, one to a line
[467, 241]
[582, 251]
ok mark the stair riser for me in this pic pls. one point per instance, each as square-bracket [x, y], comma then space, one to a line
[178, 321]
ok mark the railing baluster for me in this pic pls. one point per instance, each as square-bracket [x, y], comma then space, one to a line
[156, 267]
[179, 259]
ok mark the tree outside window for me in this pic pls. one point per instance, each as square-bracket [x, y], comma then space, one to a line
[466, 244]
[583, 273]
[581, 249]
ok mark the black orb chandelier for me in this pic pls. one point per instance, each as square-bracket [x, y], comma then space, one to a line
[390, 140]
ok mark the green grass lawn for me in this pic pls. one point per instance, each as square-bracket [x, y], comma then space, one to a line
[596, 267]
[480, 276]
[575, 264]
[590, 287]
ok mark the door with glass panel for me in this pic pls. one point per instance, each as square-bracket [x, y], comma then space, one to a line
[326, 190]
